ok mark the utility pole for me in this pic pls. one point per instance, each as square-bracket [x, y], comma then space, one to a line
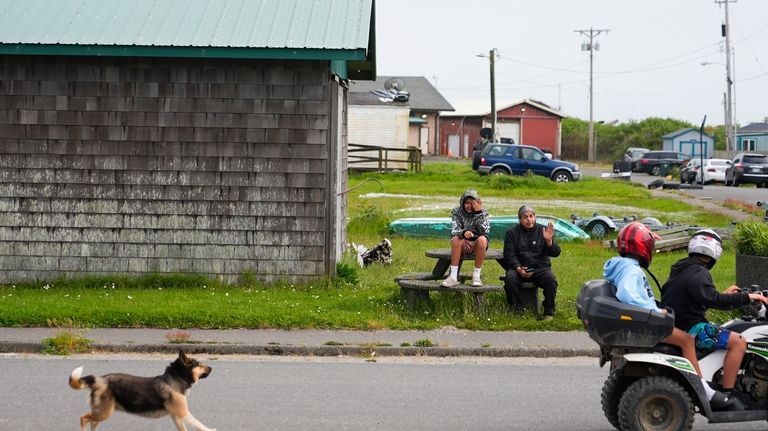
[591, 46]
[492, 57]
[730, 130]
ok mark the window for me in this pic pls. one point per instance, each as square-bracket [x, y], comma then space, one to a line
[748, 144]
[532, 154]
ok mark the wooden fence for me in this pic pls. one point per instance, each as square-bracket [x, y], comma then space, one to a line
[376, 158]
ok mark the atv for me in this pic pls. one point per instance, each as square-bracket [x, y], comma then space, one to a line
[649, 385]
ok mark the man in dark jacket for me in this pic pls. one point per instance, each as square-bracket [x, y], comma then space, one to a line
[690, 291]
[527, 251]
[477, 149]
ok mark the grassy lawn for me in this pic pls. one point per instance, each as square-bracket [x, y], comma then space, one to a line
[369, 298]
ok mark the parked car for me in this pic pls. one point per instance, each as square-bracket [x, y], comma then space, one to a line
[655, 162]
[633, 154]
[519, 159]
[747, 168]
[714, 170]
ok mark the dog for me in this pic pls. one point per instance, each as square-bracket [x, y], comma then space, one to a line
[152, 397]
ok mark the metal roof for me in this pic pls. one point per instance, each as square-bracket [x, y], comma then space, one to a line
[286, 29]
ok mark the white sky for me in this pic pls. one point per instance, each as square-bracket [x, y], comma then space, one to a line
[648, 64]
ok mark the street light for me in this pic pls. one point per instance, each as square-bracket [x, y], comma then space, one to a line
[492, 60]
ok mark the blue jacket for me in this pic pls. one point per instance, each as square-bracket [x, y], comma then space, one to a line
[632, 285]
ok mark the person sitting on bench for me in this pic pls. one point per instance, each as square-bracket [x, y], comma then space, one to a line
[469, 234]
[527, 252]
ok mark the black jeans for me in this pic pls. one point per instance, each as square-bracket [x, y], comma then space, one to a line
[542, 277]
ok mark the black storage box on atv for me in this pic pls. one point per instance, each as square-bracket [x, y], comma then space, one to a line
[611, 323]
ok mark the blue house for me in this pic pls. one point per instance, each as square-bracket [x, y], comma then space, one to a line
[689, 141]
[753, 137]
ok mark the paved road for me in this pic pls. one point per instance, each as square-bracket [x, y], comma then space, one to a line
[250, 393]
[716, 192]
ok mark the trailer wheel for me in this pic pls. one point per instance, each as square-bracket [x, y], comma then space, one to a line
[598, 228]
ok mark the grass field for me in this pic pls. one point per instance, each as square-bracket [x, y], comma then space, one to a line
[369, 298]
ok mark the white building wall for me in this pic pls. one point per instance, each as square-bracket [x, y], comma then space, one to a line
[379, 125]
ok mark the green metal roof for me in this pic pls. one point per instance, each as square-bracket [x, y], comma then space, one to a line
[334, 30]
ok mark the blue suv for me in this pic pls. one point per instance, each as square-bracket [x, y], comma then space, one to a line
[519, 159]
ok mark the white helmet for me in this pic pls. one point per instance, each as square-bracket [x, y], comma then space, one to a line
[708, 243]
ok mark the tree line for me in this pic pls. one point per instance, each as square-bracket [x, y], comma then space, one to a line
[612, 140]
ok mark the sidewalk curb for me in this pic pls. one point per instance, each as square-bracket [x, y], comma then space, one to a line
[326, 351]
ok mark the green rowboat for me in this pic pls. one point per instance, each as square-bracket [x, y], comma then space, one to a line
[440, 227]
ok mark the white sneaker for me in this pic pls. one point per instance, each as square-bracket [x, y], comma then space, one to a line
[476, 282]
[450, 282]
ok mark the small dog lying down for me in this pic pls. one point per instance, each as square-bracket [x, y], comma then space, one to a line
[152, 397]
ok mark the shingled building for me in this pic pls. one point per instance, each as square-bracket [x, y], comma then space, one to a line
[152, 136]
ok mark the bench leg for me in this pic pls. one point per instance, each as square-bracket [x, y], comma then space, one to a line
[479, 298]
[414, 298]
[529, 298]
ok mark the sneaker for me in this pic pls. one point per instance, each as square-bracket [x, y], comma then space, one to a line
[548, 317]
[721, 402]
[476, 282]
[450, 282]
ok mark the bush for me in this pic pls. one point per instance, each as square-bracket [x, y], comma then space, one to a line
[751, 238]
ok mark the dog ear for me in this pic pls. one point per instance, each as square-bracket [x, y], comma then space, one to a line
[183, 356]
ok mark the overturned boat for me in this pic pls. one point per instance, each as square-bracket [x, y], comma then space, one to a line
[440, 227]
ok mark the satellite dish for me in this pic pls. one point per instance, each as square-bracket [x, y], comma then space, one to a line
[393, 91]
[396, 84]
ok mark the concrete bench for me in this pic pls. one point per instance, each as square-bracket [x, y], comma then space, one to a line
[416, 292]
[415, 287]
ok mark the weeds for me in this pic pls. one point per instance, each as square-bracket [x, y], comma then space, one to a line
[65, 343]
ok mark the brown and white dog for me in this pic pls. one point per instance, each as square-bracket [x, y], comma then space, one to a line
[152, 397]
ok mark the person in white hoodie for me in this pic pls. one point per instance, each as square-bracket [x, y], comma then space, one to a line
[635, 243]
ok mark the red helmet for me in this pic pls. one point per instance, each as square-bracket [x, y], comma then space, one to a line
[637, 240]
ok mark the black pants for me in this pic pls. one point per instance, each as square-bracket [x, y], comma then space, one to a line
[542, 277]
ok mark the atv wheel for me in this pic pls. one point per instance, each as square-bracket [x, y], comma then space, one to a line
[613, 388]
[655, 404]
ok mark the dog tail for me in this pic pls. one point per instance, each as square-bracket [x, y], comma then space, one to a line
[78, 382]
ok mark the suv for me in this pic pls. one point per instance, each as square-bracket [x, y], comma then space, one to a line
[519, 159]
[633, 154]
[656, 162]
[747, 168]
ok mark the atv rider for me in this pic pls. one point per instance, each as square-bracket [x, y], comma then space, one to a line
[636, 243]
[690, 291]
[469, 234]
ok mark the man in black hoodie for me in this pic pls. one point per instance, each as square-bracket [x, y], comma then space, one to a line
[527, 251]
[690, 291]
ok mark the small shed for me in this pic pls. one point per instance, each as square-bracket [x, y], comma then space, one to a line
[167, 136]
[689, 141]
[527, 122]
[753, 137]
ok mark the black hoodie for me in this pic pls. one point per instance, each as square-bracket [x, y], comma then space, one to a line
[690, 291]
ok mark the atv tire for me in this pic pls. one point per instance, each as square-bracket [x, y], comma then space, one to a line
[613, 388]
[655, 404]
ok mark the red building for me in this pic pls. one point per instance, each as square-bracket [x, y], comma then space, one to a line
[527, 122]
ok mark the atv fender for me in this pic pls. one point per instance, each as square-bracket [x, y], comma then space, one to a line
[671, 364]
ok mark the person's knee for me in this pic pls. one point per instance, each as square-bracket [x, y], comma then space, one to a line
[481, 243]
[737, 343]
[511, 278]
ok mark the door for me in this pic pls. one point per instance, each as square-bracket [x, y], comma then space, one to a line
[424, 140]
[453, 145]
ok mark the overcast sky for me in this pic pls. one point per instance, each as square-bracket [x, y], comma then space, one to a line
[648, 63]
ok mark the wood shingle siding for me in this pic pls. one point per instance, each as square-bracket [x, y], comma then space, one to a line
[136, 165]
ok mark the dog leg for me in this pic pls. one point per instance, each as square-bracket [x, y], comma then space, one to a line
[88, 418]
[197, 424]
